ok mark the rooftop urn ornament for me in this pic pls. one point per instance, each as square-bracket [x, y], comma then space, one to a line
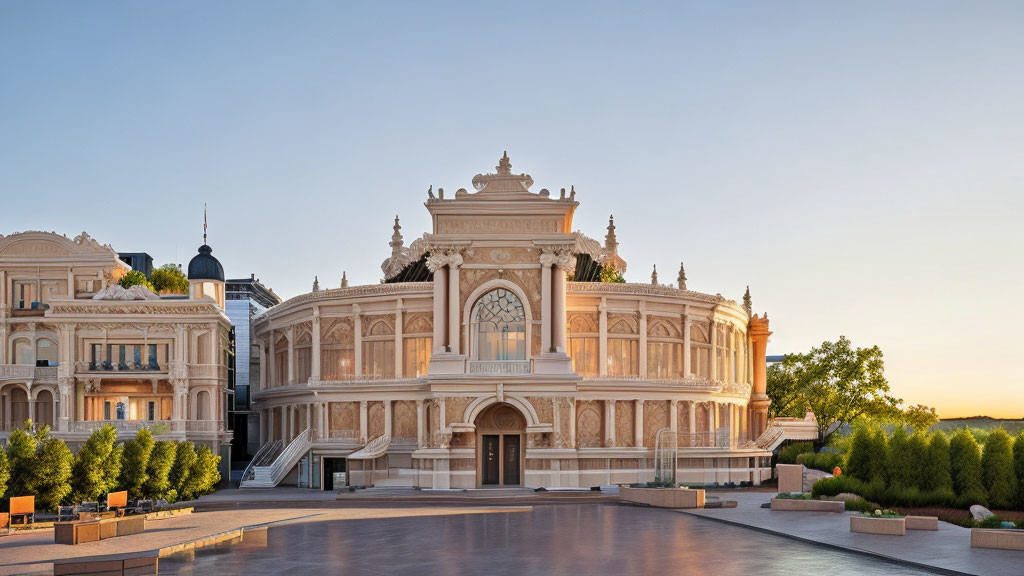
[746, 301]
[316, 284]
[681, 279]
[572, 192]
[654, 276]
[344, 279]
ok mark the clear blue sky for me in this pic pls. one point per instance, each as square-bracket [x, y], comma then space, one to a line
[859, 164]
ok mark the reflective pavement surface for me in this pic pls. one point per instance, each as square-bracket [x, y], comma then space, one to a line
[580, 540]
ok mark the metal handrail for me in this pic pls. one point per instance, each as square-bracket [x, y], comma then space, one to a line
[260, 454]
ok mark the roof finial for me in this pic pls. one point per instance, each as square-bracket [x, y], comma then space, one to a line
[204, 223]
[316, 284]
[572, 192]
[747, 305]
[654, 276]
[344, 279]
[396, 238]
[681, 279]
[504, 165]
[611, 244]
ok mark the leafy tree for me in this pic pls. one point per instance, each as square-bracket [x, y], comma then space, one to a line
[997, 470]
[91, 473]
[839, 383]
[1018, 467]
[920, 417]
[608, 274]
[935, 474]
[21, 453]
[135, 462]
[159, 469]
[785, 390]
[134, 278]
[52, 471]
[5, 472]
[184, 458]
[169, 278]
[965, 468]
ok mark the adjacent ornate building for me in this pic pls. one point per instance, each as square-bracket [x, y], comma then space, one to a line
[493, 354]
[80, 352]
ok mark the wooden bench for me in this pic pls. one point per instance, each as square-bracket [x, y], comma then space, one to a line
[24, 506]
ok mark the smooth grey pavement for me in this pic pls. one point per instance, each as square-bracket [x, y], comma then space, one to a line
[948, 550]
[571, 539]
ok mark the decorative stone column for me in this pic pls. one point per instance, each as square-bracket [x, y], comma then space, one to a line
[290, 335]
[564, 265]
[759, 400]
[65, 388]
[687, 360]
[602, 332]
[547, 260]
[454, 337]
[357, 334]
[638, 424]
[420, 425]
[673, 419]
[363, 434]
[399, 349]
[643, 339]
[436, 264]
[272, 364]
[714, 348]
[609, 421]
[315, 368]
[693, 422]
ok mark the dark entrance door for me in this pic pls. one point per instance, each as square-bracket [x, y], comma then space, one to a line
[491, 463]
[511, 459]
[332, 465]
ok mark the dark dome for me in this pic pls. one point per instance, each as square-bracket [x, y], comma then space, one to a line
[204, 266]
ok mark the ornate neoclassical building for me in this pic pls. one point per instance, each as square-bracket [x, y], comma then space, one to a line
[80, 352]
[493, 354]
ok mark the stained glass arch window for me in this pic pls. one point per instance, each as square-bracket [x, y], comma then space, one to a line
[499, 326]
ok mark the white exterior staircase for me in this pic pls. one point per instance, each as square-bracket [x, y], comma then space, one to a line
[781, 429]
[258, 475]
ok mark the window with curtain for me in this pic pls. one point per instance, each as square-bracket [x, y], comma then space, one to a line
[379, 359]
[499, 324]
[416, 356]
[623, 357]
[664, 360]
[583, 353]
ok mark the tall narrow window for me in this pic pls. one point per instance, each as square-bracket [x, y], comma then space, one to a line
[499, 326]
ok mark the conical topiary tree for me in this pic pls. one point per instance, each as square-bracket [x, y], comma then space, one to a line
[21, 454]
[91, 478]
[52, 471]
[863, 460]
[997, 473]
[1018, 467]
[935, 474]
[135, 462]
[159, 469]
[917, 452]
[965, 469]
[184, 458]
[899, 466]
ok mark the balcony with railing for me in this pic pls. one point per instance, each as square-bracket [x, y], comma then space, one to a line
[215, 371]
[499, 367]
[27, 372]
[97, 367]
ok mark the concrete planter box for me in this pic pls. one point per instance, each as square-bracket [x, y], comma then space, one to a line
[880, 526]
[799, 505]
[76, 532]
[663, 497]
[1003, 539]
[922, 522]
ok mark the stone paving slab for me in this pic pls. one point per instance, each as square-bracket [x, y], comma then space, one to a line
[21, 553]
[946, 551]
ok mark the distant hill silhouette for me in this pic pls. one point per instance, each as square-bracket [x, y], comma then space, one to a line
[1012, 426]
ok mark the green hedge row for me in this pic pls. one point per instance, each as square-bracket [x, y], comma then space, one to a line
[914, 470]
[824, 461]
[36, 463]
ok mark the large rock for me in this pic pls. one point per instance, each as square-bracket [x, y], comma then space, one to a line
[845, 497]
[812, 476]
[979, 512]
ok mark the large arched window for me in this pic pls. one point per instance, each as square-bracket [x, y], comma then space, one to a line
[46, 349]
[499, 326]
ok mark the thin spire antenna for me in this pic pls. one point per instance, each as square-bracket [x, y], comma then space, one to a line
[204, 222]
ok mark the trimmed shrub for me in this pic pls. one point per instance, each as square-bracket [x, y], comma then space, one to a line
[169, 279]
[90, 478]
[203, 475]
[5, 473]
[837, 485]
[135, 463]
[997, 473]
[824, 461]
[1018, 467]
[789, 454]
[935, 474]
[861, 505]
[867, 460]
[965, 469]
[917, 460]
[159, 469]
[134, 278]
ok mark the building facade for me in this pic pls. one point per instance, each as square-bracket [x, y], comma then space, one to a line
[247, 298]
[493, 355]
[80, 352]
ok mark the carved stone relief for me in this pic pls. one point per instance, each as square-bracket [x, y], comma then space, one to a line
[589, 423]
[625, 416]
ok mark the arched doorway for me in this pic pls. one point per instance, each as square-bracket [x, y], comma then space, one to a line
[44, 408]
[500, 433]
